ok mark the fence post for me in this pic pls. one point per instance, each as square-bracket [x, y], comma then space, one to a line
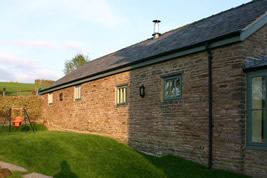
[4, 91]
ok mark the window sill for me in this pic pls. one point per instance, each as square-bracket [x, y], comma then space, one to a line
[121, 105]
[171, 100]
[255, 147]
[78, 99]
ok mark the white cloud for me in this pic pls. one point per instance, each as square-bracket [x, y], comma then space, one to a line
[71, 45]
[7, 58]
[25, 77]
[33, 43]
[23, 70]
[38, 74]
[74, 45]
[48, 74]
[5, 74]
[14, 61]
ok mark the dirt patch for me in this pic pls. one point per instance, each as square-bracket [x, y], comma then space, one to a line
[4, 173]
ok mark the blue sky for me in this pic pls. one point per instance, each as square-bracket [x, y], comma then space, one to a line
[38, 36]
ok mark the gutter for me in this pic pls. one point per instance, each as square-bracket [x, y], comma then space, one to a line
[210, 57]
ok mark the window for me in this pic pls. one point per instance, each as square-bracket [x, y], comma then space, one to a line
[122, 95]
[61, 97]
[50, 98]
[172, 89]
[256, 110]
[78, 92]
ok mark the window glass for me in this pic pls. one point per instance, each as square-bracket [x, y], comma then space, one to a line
[256, 110]
[78, 92]
[167, 89]
[50, 98]
[122, 95]
[258, 118]
[178, 88]
[61, 97]
[258, 93]
[172, 88]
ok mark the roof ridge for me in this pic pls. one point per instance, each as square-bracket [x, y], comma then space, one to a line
[225, 11]
[234, 20]
[179, 28]
[138, 43]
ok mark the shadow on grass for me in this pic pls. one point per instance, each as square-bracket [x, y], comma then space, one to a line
[178, 167]
[65, 171]
[23, 128]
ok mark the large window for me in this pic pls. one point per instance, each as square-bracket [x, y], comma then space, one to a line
[78, 92]
[172, 89]
[122, 95]
[256, 110]
[50, 98]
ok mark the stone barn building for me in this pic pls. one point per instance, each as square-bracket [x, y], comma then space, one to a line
[198, 92]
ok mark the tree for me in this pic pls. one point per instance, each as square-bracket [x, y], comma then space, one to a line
[74, 63]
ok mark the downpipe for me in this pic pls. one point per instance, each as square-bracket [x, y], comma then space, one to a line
[210, 57]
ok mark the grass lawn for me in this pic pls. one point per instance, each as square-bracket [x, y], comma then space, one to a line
[61, 154]
[14, 87]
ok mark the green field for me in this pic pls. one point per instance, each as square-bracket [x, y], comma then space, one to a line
[13, 88]
[61, 154]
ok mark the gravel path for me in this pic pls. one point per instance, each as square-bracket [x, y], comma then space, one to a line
[13, 167]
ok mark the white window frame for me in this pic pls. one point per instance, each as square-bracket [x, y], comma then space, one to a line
[122, 95]
[78, 92]
[50, 98]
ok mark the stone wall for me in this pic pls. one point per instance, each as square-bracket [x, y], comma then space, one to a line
[43, 82]
[255, 160]
[181, 127]
[96, 112]
[31, 103]
[173, 127]
[176, 127]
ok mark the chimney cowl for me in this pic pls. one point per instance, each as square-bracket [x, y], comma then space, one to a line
[156, 33]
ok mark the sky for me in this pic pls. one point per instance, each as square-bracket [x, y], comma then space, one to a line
[38, 36]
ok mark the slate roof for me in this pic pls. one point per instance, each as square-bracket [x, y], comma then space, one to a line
[255, 64]
[217, 26]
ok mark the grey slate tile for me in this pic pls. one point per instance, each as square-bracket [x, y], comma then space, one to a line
[219, 25]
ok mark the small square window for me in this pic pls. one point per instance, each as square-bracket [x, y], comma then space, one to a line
[50, 98]
[122, 95]
[172, 89]
[78, 92]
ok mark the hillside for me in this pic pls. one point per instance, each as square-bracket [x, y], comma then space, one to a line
[13, 88]
[61, 154]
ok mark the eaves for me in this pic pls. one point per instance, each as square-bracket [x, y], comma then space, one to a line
[228, 39]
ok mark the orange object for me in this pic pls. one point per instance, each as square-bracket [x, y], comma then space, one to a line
[17, 122]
